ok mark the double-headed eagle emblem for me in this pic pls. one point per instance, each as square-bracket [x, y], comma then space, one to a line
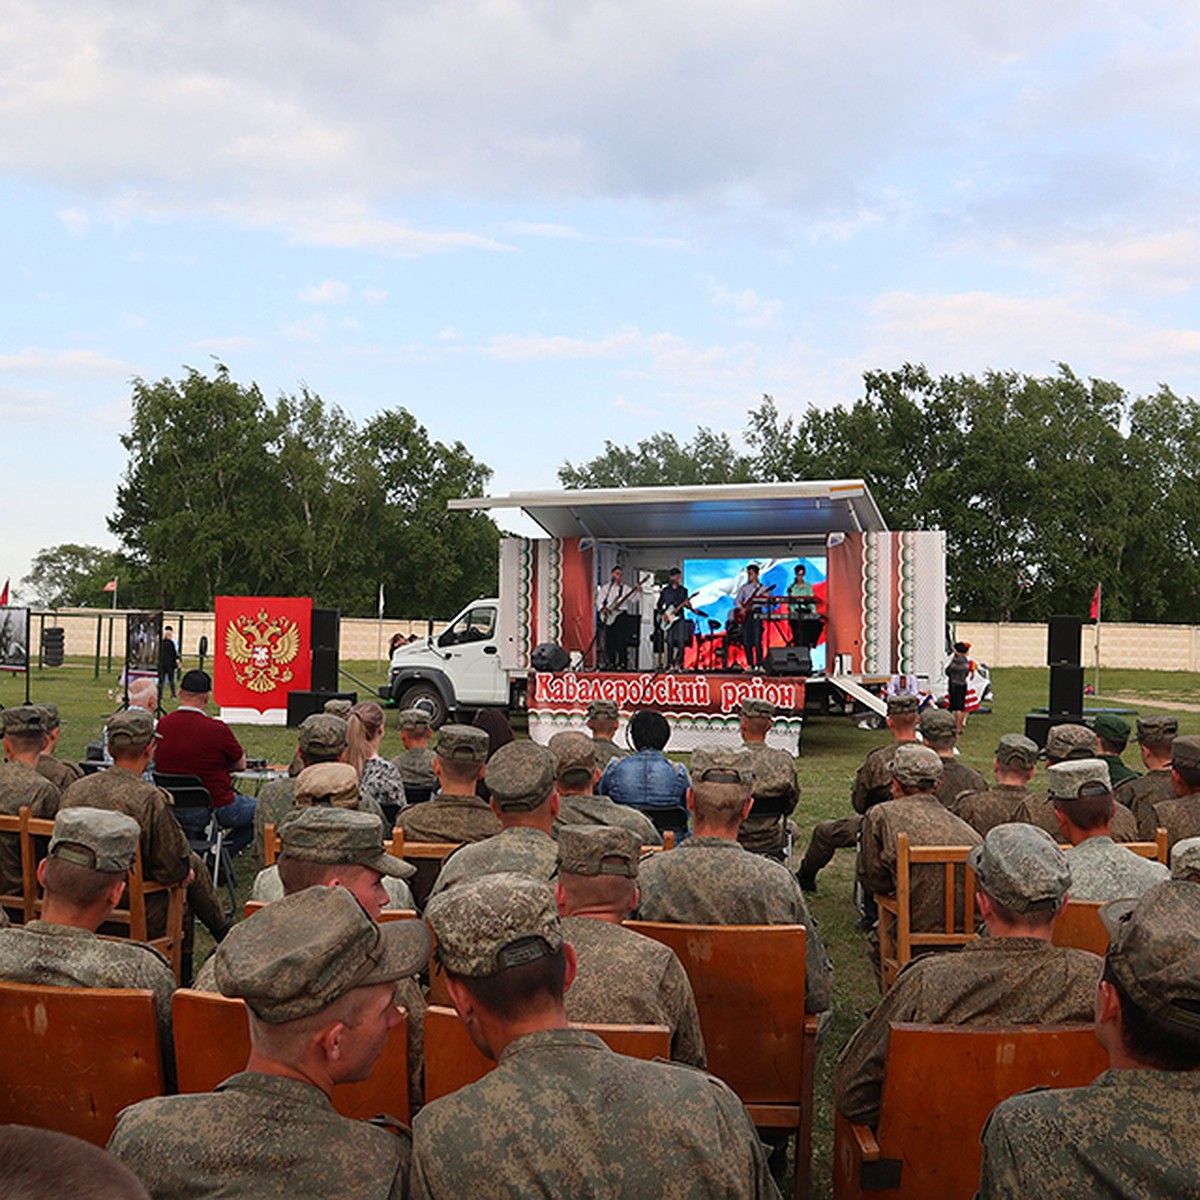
[259, 649]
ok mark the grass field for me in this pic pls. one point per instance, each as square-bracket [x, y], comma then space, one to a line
[832, 751]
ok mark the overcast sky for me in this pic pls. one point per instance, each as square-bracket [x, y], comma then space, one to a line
[537, 224]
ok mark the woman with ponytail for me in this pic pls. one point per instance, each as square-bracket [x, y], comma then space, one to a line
[375, 774]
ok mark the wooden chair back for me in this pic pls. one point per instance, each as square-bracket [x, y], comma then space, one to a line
[388, 914]
[749, 987]
[452, 1060]
[927, 1144]
[21, 901]
[212, 1042]
[1156, 849]
[427, 857]
[1079, 925]
[74, 1057]
[898, 941]
[271, 844]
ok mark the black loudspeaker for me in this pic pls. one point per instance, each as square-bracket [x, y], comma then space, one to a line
[1066, 690]
[549, 656]
[789, 660]
[1038, 726]
[326, 629]
[324, 670]
[1062, 641]
[304, 704]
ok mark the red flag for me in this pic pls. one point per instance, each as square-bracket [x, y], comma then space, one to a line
[111, 586]
[1094, 614]
[4, 595]
[263, 650]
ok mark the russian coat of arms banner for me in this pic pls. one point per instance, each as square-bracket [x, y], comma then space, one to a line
[263, 650]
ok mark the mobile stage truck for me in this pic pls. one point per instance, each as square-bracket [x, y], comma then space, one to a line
[878, 609]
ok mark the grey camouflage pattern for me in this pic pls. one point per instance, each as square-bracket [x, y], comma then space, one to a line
[958, 778]
[873, 780]
[20, 784]
[268, 888]
[1103, 870]
[600, 810]
[446, 818]
[606, 750]
[61, 774]
[774, 777]
[984, 810]
[561, 1115]
[278, 798]
[1022, 868]
[993, 981]
[416, 767]
[521, 849]
[1038, 809]
[1145, 791]
[1180, 817]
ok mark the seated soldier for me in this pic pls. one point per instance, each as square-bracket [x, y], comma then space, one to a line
[561, 1114]
[415, 762]
[647, 779]
[1014, 976]
[939, 730]
[603, 719]
[774, 781]
[576, 775]
[713, 880]
[1185, 860]
[83, 876]
[318, 978]
[623, 978]
[1180, 817]
[1131, 1133]
[1112, 736]
[1154, 737]
[40, 1162]
[455, 813]
[60, 773]
[520, 778]
[1015, 762]
[1101, 869]
[21, 784]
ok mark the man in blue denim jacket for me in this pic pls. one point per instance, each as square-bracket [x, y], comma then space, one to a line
[648, 779]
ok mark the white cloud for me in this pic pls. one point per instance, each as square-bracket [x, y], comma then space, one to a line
[332, 291]
[235, 341]
[512, 347]
[33, 360]
[751, 309]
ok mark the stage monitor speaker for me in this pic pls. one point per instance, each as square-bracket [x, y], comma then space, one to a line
[324, 670]
[1066, 690]
[1062, 640]
[326, 629]
[789, 660]
[304, 704]
[549, 656]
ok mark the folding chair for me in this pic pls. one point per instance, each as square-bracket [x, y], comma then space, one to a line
[427, 857]
[781, 807]
[667, 818]
[208, 838]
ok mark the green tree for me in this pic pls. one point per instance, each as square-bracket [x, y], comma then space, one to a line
[70, 575]
[661, 461]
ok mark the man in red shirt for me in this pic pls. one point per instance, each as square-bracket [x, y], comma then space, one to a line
[193, 743]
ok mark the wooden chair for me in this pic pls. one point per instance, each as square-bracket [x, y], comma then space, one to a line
[1156, 849]
[898, 941]
[388, 914]
[21, 905]
[212, 1042]
[1079, 925]
[942, 1082]
[452, 1060]
[427, 857]
[74, 1057]
[271, 844]
[749, 986]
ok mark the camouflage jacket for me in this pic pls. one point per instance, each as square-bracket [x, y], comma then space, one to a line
[60, 773]
[21, 785]
[449, 819]
[562, 1115]
[278, 799]
[268, 888]
[606, 750]
[600, 810]
[626, 979]
[1118, 772]
[1103, 870]
[521, 849]
[873, 781]
[416, 767]
[1038, 809]
[1145, 790]
[993, 981]
[958, 778]
[984, 810]
[774, 780]
[1180, 817]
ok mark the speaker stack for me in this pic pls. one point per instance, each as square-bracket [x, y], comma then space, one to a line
[1063, 634]
[326, 633]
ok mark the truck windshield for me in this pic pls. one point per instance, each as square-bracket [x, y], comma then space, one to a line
[475, 625]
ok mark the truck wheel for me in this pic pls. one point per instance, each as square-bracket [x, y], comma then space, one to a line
[431, 698]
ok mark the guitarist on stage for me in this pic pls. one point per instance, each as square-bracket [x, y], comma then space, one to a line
[668, 613]
[615, 603]
[747, 615]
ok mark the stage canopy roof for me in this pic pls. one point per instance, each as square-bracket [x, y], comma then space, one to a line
[735, 512]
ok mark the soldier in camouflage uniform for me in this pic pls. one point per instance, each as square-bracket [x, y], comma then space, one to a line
[774, 782]
[938, 728]
[562, 1115]
[1100, 868]
[61, 774]
[622, 977]
[520, 777]
[84, 874]
[713, 880]
[1185, 860]
[415, 762]
[1015, 976]
[21, 784]
[1155, 736]
[456, 813]
[576, 774]
[915, 810]
[1070, 743]
[871, 786]
[602, 720]
[318, 977]
[1180, 817]
[1131, 1133]
[1014, 765]
[1112, 733]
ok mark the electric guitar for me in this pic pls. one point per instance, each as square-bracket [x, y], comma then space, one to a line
[670, 615]
[610, 612]
[742, 611]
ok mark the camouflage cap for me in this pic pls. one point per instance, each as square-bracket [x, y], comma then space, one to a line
[1064, 780]
[722, 764]
[598, 850]
[1185, 751]
[1021, 867]
[1112, 728]
[97, 838]
[414, 718]
[753, 706]
[1156, 730]
[330, 783]
[495, 922]
[1016, 750]
[905, 702]
[340, 836]
[915, 765]
[603, 710]
[1070, 741]
[338, 707]
[323, 733]
[574, 757]
[520, 776]
[1185, 859]
[1155, 951]
[53, 720]
[25, 719]
[462, 743]
[296, 956]
[937, 725]
[133, 727]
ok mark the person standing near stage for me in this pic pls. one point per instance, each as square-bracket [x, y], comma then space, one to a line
[751, 622]
[674, 598]
[958, 670]
[168, 662]
[616, 602]
[803, 604]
